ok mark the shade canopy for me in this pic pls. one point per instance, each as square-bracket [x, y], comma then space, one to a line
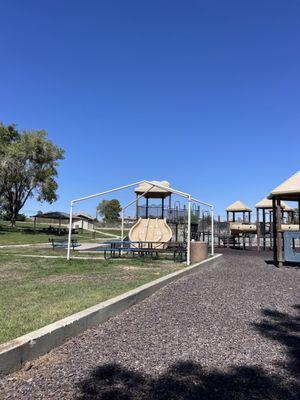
[267, 205]
[288, 190]
[154, 192]
[53, 215]
[238, 206]
[286, 207]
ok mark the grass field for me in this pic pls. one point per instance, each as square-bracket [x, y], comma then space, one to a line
[24, 234]
[112, 231]
[43, 251]
[35, 291]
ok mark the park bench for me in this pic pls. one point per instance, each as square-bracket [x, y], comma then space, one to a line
[63, 243]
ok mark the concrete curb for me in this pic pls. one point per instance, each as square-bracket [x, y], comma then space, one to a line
[34, 344]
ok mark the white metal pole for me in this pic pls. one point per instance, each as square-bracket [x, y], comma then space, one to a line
[212, 232]
[188, 261]
[107, 191]
[201, 202]
[122, 228]
[70, 231]
[168, 189]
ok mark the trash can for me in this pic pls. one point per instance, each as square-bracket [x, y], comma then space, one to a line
[199, 251]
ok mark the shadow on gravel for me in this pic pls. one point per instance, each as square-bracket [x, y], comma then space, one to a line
[189, 381]
[290, 264]
[285, 329]
[184, 381]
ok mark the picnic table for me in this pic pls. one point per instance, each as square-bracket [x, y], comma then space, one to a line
[113, 249]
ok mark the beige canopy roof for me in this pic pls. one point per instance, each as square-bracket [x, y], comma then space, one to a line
[267, 204]
[238, 206]
[289, 189]
[286, 207]
[264, 203]
[154, 192]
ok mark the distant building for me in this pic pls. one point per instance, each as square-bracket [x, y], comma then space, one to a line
[129, 220]
[83, 220]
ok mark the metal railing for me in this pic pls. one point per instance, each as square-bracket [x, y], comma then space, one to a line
[172, 215]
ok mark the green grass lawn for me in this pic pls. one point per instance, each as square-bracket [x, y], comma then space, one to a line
[35, 292]
[40, 251]
[113, 231]
[24, 234]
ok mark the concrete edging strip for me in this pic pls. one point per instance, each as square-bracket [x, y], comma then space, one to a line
[34, 344]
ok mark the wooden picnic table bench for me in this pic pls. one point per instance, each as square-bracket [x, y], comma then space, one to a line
[117, 248]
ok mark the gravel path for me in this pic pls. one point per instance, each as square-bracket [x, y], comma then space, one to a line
[230, 331]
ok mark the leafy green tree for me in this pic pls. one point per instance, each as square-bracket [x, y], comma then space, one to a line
[109, 209]
[20, 217]
[8, 134]
[101, 208]
[28, 168]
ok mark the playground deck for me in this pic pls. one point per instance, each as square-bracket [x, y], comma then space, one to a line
[229, 331]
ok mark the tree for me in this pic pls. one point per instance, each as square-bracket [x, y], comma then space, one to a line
[109, 209]
[8, 135]
[7, 217]
[101, 208]
[28, 162]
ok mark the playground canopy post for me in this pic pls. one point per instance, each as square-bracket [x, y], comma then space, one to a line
[289, 190]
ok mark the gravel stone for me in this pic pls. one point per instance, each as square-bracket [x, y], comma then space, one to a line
[229, 331]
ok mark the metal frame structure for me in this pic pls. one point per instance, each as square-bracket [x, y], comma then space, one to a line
[187, 196]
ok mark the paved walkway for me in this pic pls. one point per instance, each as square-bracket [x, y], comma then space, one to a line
[12, 246]
[230, 331]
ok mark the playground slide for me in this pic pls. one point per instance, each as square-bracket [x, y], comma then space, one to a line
[151, 230]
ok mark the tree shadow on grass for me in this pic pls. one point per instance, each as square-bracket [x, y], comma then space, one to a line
[187, 380]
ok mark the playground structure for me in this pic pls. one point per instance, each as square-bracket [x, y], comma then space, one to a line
[264, 209]
[157, 228]
[172, 218]
[151, 230]
[162, 227]
[289, 190]
[239, 226]
[277, 225]
[240, 231]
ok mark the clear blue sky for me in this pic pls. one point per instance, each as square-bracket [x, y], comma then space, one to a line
[203, 93]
